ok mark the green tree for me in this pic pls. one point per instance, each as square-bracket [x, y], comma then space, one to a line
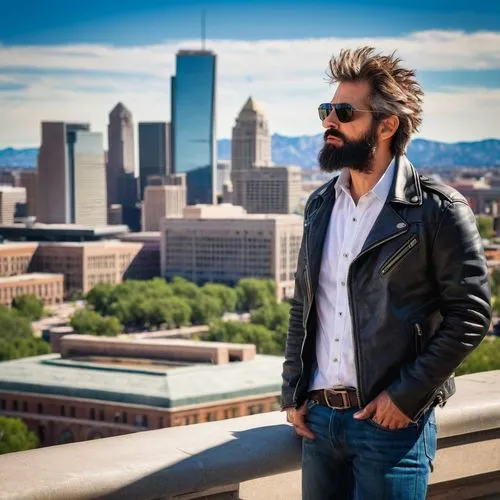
[89, 322]
[183, 288]
[15, 436]
[485, 226]
[29, 306]
[205, 310]
[225, 294]
[101, 298]
[484, 358]
[255, 293]
[16, 336]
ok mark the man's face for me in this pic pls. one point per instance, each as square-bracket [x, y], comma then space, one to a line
[350, 144]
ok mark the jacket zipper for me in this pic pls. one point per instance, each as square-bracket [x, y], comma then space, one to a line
[309, 295]
[418, 338]
[359, 389]
[391, 262]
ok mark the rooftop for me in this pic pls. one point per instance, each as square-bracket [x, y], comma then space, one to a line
[228, 212]
[29, 277]
[155, 385]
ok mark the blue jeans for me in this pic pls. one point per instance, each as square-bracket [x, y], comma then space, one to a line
[359, 460]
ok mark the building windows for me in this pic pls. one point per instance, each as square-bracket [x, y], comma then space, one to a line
[3, 404]
[72, 411]
[14, 405]
[255, 409]
[92, 414]
[211, 416]
[66, 437]
[39, 408]
[25, 406]
[101, 415]
[62, 410]
[161, 422]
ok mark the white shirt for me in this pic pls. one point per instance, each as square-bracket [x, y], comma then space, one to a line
[348, 229]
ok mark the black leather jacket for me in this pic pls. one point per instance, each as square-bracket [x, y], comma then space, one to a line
[418, 292]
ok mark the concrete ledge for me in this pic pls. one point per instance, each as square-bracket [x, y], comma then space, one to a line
[190, 460]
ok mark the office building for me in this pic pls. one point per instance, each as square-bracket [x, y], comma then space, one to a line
[274, 190]
[223, 244]
[86, 264]
[146, 264]
[121, 158]
[154, 151]
[46, 287]
[99, 387]
[28, 180]
[223, 175]
[15, 258]
[12, 203]
[251, 142]
[71, 186]
[193, 123]
[162, 201]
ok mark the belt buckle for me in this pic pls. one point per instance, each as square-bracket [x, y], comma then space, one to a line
[342, 391]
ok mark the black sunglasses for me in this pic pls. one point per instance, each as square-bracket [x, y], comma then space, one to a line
[343, 110]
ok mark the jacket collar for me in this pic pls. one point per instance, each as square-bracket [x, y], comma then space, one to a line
[405, 186]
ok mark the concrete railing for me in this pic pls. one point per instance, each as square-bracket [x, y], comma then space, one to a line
[211, 460]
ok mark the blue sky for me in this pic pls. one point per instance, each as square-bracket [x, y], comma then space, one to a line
[74, 61]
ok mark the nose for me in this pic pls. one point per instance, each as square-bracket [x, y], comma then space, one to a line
[331, 120]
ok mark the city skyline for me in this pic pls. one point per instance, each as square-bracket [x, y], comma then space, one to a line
[76, 69]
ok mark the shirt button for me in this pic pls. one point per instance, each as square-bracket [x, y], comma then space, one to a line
[336, 340]
[354, 219]
[340, 313]
[335, 360]
[346, 255]
[342, 283]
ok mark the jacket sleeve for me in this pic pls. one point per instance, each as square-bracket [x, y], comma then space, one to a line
[292, 366]
[462, 279]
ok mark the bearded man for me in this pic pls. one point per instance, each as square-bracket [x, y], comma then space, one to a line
[391, 294]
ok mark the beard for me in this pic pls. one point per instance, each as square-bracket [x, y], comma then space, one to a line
[356, 155]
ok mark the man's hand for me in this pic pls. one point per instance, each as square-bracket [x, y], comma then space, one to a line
[297, 417]
[384, 412]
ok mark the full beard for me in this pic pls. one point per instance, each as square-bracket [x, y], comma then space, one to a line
[355, 155]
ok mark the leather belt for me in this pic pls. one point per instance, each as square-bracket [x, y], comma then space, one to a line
[337, 398]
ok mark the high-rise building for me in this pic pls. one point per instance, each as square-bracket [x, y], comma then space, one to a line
[223, 175]
[193, 123]
[12, 203]
[223, 244]
[162, 201]
[154, 151]
[71, 175]
[28, 180]
[251, 142]
[120, 152]
[268, 190]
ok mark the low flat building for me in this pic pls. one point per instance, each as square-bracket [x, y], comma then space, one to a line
[86, 264]
[49, 288]
[15, 258]
[103, 387]
[34, 231]
[223, 244]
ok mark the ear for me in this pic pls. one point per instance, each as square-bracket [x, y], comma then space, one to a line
[388, 127]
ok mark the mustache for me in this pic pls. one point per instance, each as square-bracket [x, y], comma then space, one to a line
[335, 133]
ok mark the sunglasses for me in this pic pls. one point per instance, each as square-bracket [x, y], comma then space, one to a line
[343, 110]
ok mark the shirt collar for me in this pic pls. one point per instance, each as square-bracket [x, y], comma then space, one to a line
[381, 189]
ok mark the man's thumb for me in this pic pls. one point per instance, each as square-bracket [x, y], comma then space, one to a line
[365, 412]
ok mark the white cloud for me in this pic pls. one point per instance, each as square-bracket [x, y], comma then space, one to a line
[76, 82]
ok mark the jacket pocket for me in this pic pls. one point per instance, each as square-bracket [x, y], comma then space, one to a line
[398, 255]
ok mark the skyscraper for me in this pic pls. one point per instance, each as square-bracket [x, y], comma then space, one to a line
[71, 175]
[120, 151]
[193, 123]
[251, 142]
[154, 151]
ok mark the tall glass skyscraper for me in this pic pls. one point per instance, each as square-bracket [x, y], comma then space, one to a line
[193, 123]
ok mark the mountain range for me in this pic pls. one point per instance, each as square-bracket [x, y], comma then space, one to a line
[303, 151]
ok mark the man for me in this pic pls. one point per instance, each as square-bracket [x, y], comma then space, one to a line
[391, 294]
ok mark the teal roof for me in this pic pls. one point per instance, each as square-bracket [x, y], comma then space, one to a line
[195, 384]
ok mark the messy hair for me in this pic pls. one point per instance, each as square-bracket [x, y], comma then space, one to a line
[395, 90]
